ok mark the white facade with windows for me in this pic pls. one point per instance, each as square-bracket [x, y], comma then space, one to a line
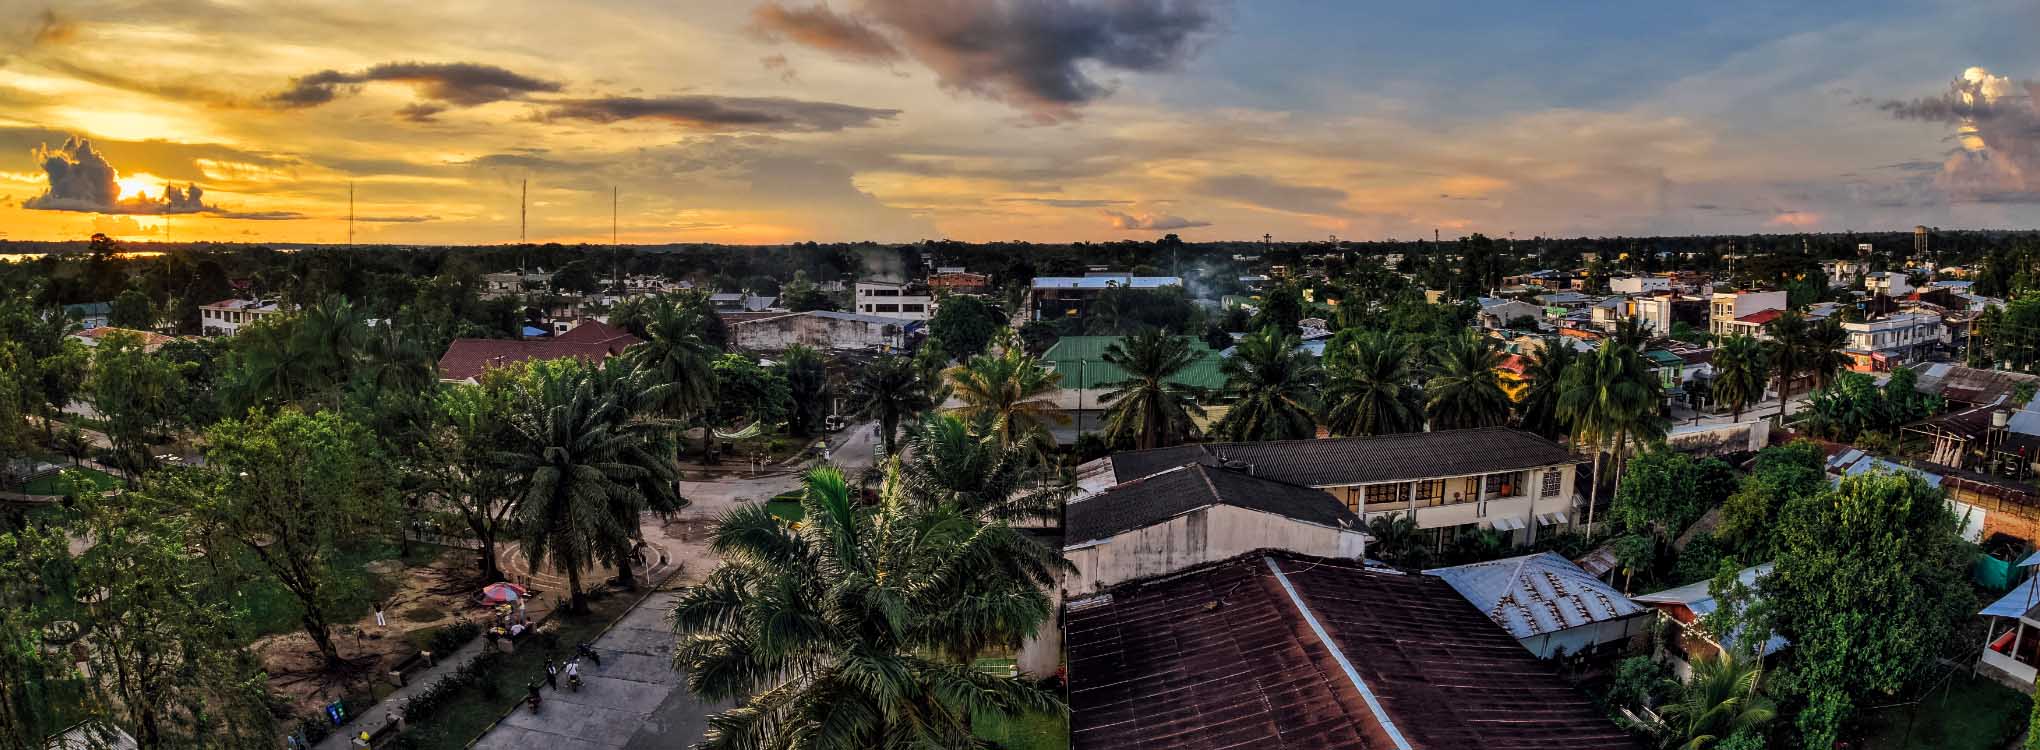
[226, 317]
[890, 300]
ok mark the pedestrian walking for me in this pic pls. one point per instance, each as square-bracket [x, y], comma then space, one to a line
[552, 674]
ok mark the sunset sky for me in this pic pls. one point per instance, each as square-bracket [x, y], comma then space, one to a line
[1048, 120]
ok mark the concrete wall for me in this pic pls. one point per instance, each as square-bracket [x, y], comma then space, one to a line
[777, 333]
[1213, 533]
[1610, 634]
[1720, 440]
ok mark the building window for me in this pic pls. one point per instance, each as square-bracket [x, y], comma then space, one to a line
[1552, 480]
[1395, 492]
[1430, 492]
[1507, 484]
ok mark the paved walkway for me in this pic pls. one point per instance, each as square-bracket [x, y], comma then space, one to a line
[373, 717]
[634, 701]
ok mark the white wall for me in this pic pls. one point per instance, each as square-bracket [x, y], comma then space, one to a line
[1204, 535]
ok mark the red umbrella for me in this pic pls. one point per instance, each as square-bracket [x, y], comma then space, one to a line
[502, 593]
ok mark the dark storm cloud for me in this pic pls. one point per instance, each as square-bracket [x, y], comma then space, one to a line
[821, 28]
[443, 84]
[721, 113]
[1273, 194]
[1152, 221]
[1032, 54]
[82, 180]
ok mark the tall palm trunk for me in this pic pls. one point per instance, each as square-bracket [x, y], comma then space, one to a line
[576, 603]
[1593, 489]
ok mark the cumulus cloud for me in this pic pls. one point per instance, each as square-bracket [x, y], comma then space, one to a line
[722, 113]
[1035, 55]
[1996, 124]
[1152, 221]
[441, 84]
[1260, 191]
[82, 180]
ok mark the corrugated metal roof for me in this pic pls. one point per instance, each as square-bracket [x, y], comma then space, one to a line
[1103, 282]
[1081, 362]
[1537, 594]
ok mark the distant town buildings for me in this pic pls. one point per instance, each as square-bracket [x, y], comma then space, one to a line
[466, 359]
[1734, 313]
[1640, 285]
[1893, 341]
[1051, 297]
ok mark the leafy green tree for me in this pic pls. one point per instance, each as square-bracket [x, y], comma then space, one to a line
[1281, 308]
[1148, 405]
[965, 325]
[889, 390]
[136, 393]
[824, 633]
[807, 388]
[1370, 384]
[1273, 383]
[1014, 392]
[1781, 475]
[457, 472]
[289, 489]
[132, 309]
[1664, 491]
[745, 390]
[1609, 396]
[1741, 370]
[646, 455]
[1869, 586]
[166, 662]
[801, 295]
[1465, 390]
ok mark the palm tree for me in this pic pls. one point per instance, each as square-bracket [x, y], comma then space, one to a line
[1012, 390]
[1397, 540]
[1147, 404]
[675, 351]
[1546, 375]
[957, 463]
[648, 450]
[1741, 368]
[1464, 390]
[564, 454]
[1788, 348]
[1370, 385]
[73, 444]
[1632, 333]
[1605, 396]
[826, 632]
[1721, 699]
[326, 341]
[1274, 382]
[807, 382]
[889, 390]
[1824, 356]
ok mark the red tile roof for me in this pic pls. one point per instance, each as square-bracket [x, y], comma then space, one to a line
[593, 332]
[469, 358]
[1225, 656]
[1514, 363]
[1760, 317]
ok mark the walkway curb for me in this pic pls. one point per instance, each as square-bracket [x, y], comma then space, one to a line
[646, 594]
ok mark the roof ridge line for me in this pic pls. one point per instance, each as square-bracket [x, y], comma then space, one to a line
[1339, 655]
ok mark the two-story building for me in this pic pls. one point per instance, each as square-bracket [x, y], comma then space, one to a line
[1888, 283]
[1733, 313]
[894, 300]
[1640, 285]
[957, 280]
[227, 316]
[1451, 482]
[1052, 297]
[1893, 341]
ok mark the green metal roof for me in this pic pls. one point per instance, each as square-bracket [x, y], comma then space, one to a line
[1081, 362]
[1663, 358]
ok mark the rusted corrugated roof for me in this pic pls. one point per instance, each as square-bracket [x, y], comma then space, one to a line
[1223, 656]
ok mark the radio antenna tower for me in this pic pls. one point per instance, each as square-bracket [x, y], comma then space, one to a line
[350, 214]
[523, 193]
[612, 214]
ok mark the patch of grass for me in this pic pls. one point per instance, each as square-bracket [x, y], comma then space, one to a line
[467, 714]
[1027, 732]
[788, 510]
[422, 614]
[48, 484]
[265, 607]
[1968, 713]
